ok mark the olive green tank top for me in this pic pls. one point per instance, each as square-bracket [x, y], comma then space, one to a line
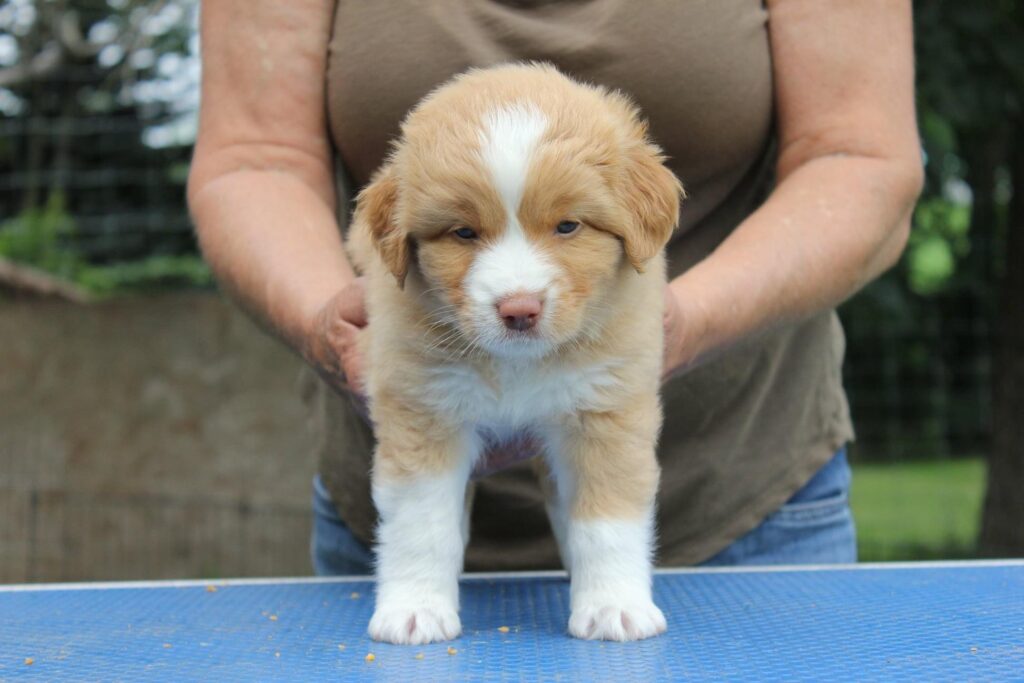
[741, 433]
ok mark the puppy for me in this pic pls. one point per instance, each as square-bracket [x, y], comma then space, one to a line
[512, 244]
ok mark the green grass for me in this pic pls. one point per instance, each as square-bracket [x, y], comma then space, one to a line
[918, 510]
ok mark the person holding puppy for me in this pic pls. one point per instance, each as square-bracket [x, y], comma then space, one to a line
[791, 125]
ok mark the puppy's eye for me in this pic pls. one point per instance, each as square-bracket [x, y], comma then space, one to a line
[465, 233]
[567, 227]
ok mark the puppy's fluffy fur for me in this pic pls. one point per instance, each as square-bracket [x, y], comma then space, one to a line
[513, 247]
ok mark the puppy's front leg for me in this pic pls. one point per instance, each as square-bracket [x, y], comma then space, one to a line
[419, 488]
[613, 478]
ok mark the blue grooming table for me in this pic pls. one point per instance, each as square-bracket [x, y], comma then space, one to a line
[926, 622]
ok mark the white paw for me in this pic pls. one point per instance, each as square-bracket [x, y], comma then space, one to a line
[603, 621]
[415, 624]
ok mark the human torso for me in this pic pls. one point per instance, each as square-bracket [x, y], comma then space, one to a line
[743, 432]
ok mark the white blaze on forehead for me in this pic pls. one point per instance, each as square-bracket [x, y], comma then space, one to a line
[506, 144]
[511, 264]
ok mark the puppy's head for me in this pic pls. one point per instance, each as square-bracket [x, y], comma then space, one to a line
[517, 197]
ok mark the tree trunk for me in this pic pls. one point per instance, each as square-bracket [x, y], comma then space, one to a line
[968, 311]
[1002, 530]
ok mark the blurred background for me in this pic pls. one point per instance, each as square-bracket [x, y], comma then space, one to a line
[148, 430]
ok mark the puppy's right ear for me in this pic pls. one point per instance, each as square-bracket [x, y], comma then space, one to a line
[374, 218]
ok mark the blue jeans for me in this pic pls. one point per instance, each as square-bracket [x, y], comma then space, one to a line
[815, 526]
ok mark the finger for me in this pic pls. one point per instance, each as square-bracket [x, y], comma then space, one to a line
[669, 303]
[352, 363]
[352, 302]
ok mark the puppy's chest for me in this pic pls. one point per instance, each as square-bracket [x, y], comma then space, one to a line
[519, 394]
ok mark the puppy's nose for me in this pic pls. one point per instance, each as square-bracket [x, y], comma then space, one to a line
[520, 312]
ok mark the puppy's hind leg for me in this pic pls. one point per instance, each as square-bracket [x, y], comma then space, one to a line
[555, 504]
[467, 514]
[420, 494]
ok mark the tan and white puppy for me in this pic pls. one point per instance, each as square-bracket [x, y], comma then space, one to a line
[513, 247]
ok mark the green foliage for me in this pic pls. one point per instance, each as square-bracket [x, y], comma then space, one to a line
[938, 242]
[38, 237]
[917, 511]
[104, 129]
[970, 61]
[970, 89]
[44, 238]
[152, 273]
[970, 97]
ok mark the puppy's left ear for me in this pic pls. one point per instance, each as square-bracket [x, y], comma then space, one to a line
[374, 221]
[652, 194]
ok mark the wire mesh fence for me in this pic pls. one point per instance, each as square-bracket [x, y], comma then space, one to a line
[98, 102]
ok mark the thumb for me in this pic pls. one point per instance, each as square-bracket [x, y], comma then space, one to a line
[352, 302]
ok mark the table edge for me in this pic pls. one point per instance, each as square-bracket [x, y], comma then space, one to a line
[490, 576]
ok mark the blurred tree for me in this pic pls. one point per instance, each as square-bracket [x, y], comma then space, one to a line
[971, 102]
[99, 97]
[1002, 531]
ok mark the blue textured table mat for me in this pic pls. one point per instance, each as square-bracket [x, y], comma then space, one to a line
[961, 622]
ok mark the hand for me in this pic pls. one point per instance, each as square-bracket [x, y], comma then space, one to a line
[332, 343]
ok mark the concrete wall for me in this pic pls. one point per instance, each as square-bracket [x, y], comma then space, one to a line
[149, 437]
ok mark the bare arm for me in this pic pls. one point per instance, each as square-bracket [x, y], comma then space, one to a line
[849, 173]
[260, 188]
